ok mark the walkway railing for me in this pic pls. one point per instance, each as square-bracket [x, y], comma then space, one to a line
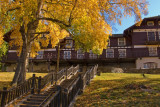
[64, 96]
[32, 85]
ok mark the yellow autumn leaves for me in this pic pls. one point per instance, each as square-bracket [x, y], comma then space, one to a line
[55, 35]
[89, 20]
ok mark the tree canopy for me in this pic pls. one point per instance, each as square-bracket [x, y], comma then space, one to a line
[88, 20]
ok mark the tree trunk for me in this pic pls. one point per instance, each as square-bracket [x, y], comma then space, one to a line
[20, 73]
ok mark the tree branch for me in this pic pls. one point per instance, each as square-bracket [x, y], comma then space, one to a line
[55, 20]
[12, 9]
[38, 35]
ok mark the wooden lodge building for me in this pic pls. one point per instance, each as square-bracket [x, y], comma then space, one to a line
[139, 45]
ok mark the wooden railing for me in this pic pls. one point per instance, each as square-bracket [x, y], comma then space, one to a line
[6, 96]
[64, 97]
[32, 85]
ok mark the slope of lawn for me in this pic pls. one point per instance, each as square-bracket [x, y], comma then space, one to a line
[121, 89]
[6, 78]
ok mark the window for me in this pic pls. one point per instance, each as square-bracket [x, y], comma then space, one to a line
[92, 55]
[150, 23]
[159, 35]
[151, 36]
[110, 53]
[150, 65]
[40, 55]
[122, 53]
[121, 42]
[152, 51]
[159, 23]
[67, 54]
[69, 43]
[80, 54]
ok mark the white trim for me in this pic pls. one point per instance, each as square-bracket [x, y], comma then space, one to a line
[49, 49]
[145, 46]
[146, 30]
[119, 47]
[125, 54]
[123, 41]
[12, 51]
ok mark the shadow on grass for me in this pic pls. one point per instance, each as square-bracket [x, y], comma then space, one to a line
[113, 93]
[5, 84]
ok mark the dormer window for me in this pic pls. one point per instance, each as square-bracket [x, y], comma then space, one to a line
[69, 43]
[150, 23]
[121, 42]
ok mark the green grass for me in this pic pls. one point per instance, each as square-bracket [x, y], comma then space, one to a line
[109, 90]
[6, 78]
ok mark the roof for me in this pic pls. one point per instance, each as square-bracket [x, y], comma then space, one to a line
[128, 30]
[117, 35]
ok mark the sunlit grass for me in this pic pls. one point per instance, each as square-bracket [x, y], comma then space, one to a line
[109, 90]
[6, 78]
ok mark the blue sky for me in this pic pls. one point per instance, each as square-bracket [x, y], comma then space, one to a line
[153, 10]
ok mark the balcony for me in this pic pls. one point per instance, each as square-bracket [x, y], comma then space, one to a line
[152, 42]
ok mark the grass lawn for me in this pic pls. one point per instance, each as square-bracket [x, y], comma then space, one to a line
[6, 78]
[111, 89]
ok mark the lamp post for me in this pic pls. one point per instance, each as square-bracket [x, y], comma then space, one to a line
[49, 61]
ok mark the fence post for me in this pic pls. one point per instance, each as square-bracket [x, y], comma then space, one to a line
[33, 84]
[4, 96]
[59, 96]
[80, 84]
[52, 79]
[66, 73]
[39, 84]
[66, 97]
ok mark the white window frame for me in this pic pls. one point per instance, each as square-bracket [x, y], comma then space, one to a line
[67, 55]
[92, 55]
[80, 54]
[150, 65]
[110, 55]
[119, 53]
[69, 43]
[154, 35]
[150, 23]
[159, 35]
[152, 51]
[40, 55]
[119, 42]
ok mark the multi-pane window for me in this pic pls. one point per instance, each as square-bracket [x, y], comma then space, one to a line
[150, 65]
[150, 23]
[151, 36]
[110, 53]
[80, 54]
[152, 51]
[69, 43]
[92, 55]
[121, 42]
[122, 53]
[40, 55]
[67, 54]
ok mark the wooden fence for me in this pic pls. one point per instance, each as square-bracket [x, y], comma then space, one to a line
[32, 85]
[64, 97]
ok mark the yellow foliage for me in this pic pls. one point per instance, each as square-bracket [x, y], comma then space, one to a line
[88, 20]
